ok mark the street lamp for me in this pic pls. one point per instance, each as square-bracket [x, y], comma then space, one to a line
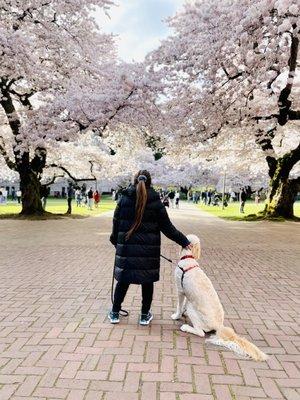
[224, 183]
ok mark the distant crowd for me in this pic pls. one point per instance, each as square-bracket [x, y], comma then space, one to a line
[88, 198]
[171, 198]
[15, 195]
[91, 198]
[213, 198]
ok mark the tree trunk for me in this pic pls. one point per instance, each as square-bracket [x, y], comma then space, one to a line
[30, 186]
[69, 211]
[281, 196]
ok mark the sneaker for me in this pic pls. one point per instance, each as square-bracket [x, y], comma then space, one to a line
[146, 318]
[113, 317]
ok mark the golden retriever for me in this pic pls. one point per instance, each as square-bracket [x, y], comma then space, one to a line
[197, 295]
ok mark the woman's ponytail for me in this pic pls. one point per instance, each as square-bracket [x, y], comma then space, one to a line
[142, 181]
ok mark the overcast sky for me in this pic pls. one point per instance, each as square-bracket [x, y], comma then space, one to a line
[138, 24]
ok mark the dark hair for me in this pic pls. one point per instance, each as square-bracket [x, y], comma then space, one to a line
[142, 181]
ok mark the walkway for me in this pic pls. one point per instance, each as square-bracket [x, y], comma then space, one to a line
[55, 341]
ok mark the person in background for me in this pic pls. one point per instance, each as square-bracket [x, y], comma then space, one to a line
[44, 195]
[209, 195]
[13, 194]
[90, 196]
[4, 195]
[83, 194]
[232, 196]
[194, 197]
[171, 196]
[19, 195]
[70, 193]
[257, 197]
[78, 197]
[97, 198]
[177, 198]
[243, 198]
[113, 195]
[165, 201]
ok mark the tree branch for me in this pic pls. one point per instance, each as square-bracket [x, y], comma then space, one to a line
[265, 117]
[53, 179]
[264, 140]
[230, 77]
[38, 162]
[294, 115]
[284, 103]
[70, 175]
[293, 157]
[3, 151]
[92, 168]
[119, 108]
[14, 124]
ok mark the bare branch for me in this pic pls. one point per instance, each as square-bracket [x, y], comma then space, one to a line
[53, 179]
[119, 108]
[69, 173]
[266, 117]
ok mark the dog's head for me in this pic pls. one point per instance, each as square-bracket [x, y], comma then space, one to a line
[196, 246]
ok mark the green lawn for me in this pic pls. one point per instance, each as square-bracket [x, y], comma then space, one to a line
[233, 210]
[59, 206]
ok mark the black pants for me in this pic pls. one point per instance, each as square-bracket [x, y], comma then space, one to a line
[120, 293]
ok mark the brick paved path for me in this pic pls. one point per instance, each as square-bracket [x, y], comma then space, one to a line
[55, 341]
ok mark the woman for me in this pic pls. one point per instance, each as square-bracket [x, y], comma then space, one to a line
[139, 218]
[96, 198]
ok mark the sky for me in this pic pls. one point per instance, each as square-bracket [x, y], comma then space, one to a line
[138, 24]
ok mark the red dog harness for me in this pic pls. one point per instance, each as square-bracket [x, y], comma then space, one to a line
[187, 269]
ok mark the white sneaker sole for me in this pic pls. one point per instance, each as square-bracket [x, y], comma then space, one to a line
[113, 321]
[146, 322]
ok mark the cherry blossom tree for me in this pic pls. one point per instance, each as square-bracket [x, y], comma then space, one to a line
[44, 46]
[60, 79]
[235, 64]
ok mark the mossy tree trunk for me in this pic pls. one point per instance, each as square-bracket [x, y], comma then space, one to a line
[282, 189]
[30, 182]
[281, 196]
[31, 200]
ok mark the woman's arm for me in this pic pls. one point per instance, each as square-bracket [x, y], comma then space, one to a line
[114, 235]
[169, 230]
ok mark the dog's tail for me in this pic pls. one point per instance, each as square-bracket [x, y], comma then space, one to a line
[226, 337]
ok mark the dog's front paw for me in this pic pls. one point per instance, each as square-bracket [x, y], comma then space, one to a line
[175, 316]
[184, 328]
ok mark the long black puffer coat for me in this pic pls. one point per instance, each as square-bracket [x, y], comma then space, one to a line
[138, 258]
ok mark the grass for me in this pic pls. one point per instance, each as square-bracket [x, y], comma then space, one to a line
[232, 212]
[59, 207]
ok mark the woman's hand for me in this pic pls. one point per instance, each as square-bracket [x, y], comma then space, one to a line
[189, 247]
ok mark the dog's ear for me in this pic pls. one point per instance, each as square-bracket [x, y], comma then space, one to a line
[196, 250]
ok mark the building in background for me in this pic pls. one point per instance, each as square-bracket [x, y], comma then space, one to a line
[59, 188]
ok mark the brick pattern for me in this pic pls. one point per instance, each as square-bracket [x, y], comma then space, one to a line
[55, 341]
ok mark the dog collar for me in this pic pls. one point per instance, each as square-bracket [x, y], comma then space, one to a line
[187, 256]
